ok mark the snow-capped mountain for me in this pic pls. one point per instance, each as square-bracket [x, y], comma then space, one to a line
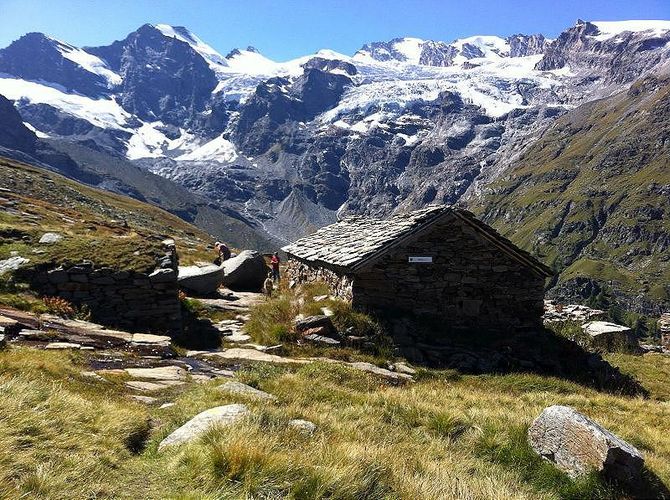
[399, 123]
[435, 53]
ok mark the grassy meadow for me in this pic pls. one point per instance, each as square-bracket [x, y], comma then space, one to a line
[65, 435]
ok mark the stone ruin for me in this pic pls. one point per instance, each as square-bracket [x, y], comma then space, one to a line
[120, 298]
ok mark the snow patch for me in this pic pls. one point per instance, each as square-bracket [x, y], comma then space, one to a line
[103, 113]
[89, 62]
[610, 29]
[215, 60]
[219, 149]
[39, 134]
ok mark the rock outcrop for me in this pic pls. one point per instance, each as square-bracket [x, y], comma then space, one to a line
[578, 445]
[201, 280]
[247, 271]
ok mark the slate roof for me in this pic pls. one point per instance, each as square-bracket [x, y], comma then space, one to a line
[355, 242]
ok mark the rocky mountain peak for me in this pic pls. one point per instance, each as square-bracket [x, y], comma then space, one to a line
[38, 57]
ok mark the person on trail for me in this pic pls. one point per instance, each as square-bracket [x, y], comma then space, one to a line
[268, 286]
[274, 261]
[222, 253]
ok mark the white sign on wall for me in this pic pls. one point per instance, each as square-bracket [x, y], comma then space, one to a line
[428, 260]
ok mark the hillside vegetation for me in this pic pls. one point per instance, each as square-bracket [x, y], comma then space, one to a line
[591, 198]
[108, 229]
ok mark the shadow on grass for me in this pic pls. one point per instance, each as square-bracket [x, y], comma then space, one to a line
[541, 352]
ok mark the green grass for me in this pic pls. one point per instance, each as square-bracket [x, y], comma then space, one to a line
[272, 322]
[443, 436]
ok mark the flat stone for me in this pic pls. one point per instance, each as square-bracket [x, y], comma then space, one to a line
[159, 373]
[30, 334]
[147, 338]
[50, 238]
[9, 326]
[310, 322]
[578, 445]
[401, 367]
[303, 426]
[237, 337]
[165, 406]
[62, 345]
[252, 355]
[320, 339]
[144, 399]
[376, 370]
[234, 387]
[202, 422]
[139, 385]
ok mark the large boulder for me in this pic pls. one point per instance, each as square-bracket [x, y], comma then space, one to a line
[578, 445]
[204, 280]
[247, 271]
[202, 422]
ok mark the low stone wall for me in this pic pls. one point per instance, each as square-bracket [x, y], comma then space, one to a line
[301, 273]
[123, 299]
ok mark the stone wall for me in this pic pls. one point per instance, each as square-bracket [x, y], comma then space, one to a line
[664, 327]
[302, 273]
[470, 285]
[123, 299]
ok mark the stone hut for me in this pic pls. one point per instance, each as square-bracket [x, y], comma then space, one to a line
[439, 262]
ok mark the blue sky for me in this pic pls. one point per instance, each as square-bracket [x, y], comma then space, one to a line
[286, 29]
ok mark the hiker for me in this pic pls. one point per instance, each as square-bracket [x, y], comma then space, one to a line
[274, 261]
[268, 286]
[222, 253]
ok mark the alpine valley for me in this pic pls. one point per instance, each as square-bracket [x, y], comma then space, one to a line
[561, 144]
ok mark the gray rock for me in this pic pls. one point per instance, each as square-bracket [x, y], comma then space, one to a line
[12, 264]
[321, 339]
[247, 271]
[50, 238]
[401, 367]
[163, 276]
[204, 280]
[62, 345]
[202, 422]
[304, 426]
[158, 373]
[376, 370]
[246, 390]
[578, 445]
[323, 322]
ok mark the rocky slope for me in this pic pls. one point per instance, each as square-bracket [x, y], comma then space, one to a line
[116, 174]
[590, 197]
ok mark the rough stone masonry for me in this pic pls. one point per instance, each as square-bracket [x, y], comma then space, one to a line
[120, 298]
